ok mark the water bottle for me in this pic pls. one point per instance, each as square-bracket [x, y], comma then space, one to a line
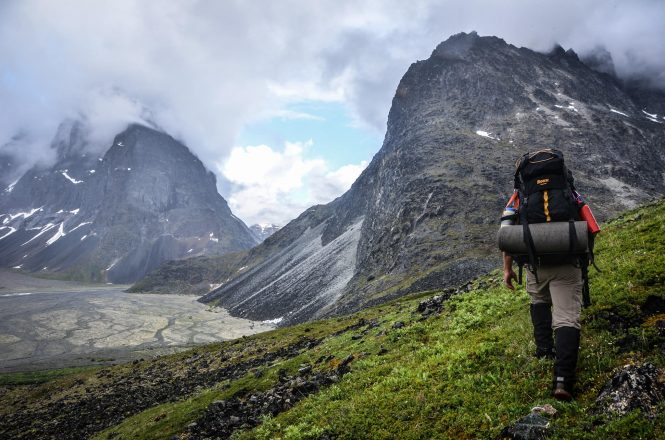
[509, 216]
[586, 214]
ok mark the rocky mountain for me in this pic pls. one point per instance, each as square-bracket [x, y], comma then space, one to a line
[114, 217]
[450, 364]
[191, 276]
[263, 231]
[424, 213]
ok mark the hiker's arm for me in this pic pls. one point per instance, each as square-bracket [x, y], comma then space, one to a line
[508, 272]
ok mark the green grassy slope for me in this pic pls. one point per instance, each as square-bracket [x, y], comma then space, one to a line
[465, 372]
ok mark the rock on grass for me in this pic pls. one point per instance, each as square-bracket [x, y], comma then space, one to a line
[634, 387]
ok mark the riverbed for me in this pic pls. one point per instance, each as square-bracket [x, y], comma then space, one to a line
[104, 325]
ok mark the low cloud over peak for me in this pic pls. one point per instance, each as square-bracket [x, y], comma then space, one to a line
[204, 70]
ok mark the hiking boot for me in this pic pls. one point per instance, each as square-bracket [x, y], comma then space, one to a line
[567, 344]
[541, 317]
[560, 392]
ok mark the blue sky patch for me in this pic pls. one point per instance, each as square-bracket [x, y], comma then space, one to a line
[337, 139]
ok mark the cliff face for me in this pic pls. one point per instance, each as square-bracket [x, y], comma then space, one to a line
[113, 218]
[424, 212]
[458, 122]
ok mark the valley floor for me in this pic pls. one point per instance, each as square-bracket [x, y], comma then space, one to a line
[12, 281]
[102, 324]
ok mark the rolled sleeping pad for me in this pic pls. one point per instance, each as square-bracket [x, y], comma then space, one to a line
[548, 238]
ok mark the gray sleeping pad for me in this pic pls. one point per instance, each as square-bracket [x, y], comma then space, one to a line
[548, 238]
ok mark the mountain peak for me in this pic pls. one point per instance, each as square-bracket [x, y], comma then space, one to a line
[264, 230]
[115, 217]
[457, 46]
[425, 208]
[460, 45]
[558, 53]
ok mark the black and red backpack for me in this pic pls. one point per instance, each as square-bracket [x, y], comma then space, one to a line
[546, 191]
[545, 187]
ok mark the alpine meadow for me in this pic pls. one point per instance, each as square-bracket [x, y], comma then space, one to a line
[332, 220]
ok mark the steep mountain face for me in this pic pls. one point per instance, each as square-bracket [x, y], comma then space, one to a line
[424, 212]
[5, 170]
[191, 276]
[114, 218]
[263, 231]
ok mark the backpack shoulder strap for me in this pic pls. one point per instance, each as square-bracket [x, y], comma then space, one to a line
[569, 177]
[518, 168]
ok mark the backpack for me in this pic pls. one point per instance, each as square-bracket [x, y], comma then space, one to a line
[546, 191]
[545, 188]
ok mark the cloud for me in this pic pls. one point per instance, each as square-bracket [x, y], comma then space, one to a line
[290, 115]
[333, 183]
[203, 70]
[276, 186]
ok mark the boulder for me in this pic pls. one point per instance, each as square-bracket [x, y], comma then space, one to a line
[530, 427]
[633, 387]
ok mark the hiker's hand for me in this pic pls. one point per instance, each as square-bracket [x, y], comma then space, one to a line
[508, 277]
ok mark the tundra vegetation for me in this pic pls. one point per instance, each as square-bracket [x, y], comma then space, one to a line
[437, 364]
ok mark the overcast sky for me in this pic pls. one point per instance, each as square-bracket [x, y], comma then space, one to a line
[285, 100]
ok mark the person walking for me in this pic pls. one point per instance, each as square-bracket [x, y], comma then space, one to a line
[556, 301]
[544, 193]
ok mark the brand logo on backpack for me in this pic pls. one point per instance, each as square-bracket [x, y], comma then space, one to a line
[542, 181]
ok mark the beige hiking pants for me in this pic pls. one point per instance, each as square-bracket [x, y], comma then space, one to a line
[561, 286]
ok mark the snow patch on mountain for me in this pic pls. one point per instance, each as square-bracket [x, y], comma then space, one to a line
[25, 215]
[273, 321]
[115, 261]
[76, 227]
[70, 178]
[570, 106]
[11, 186]
[44, 230]
[618, 112]
[11, 231]
[58, 235]
[486, 134]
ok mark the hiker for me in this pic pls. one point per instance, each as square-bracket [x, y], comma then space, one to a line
[545, 202]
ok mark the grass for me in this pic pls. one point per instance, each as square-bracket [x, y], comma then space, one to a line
[470, 372]
[36, 377]
[465, 373]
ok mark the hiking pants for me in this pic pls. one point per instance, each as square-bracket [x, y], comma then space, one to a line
[560, 286]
